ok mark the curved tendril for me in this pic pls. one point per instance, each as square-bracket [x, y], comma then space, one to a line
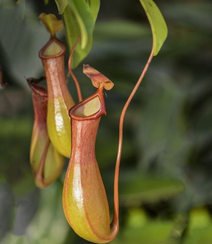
[121, 122]
[71, 72]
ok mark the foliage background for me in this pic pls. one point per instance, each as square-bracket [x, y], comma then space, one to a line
[166, 169]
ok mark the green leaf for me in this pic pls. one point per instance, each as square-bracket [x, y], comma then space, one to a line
[61, 5]
[79, 17]
[33, 36]
[49, 224]
[140, 229]
[136, 187]
[15, 239]
[157, 23]
[94, 6]
[112, 30]
[79, 11]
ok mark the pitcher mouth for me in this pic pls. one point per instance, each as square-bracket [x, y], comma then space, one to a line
[53, 49]
[91, 108]
[36, 87]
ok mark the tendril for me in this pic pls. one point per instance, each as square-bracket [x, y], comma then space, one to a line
[120, 141]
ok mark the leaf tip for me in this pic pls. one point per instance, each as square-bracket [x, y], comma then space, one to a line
[157, 23]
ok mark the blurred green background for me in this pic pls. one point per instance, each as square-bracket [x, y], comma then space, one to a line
[166, 168]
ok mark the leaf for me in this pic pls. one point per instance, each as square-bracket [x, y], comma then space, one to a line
[79, 17]
[157, 23]
[19, 63]
[61, 5]
[81, 20]
[15, 239]
[120, 29]
[136, 187]
[52, 24]
[49, 224]
[140, 229]
[94, 5]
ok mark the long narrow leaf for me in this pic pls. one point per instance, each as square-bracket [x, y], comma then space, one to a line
[94, 6]
[61, 5]
[79, 17]
[157, 23]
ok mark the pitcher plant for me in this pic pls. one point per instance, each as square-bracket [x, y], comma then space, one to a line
[46, 162]
[73, 130]
[84, 199]
[59, 98]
